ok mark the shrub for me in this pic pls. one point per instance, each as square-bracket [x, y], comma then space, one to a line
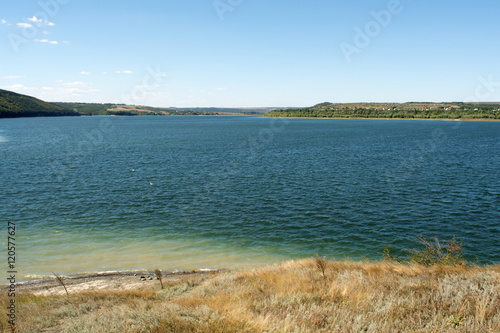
[432, 253]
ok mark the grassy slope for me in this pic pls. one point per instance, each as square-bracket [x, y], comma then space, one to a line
[294, 296]
[98, 109]
[413, 110]
[14, 105]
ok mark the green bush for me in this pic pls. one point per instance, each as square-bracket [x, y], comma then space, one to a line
[431, 253]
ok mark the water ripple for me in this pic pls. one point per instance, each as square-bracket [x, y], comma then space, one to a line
[338, 188]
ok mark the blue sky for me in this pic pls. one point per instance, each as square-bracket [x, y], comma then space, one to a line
[250, 53]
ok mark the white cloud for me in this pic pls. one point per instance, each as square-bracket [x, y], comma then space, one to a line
[46, 41]
[38, 21]
[13, 77]
[220, 89]
[45, 32]
[124, 72]
[104, 73]
[68, 92]
[24, 25]
[73, 91]
[50, 93]
[84, 73]
[149, 86]
[34, 19]
[15, 87]
[3, 21]
[80, 84]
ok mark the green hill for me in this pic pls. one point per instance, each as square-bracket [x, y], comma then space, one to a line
[108, 109]
[14, 105]
[412, 110]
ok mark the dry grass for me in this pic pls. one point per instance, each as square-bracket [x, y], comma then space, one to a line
[310, 295]
[159, 276]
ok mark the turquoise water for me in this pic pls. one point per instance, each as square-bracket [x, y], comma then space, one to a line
[123, 193]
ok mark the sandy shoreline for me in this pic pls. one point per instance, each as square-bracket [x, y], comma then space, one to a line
[107, 281]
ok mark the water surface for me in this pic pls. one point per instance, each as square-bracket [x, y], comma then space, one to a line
[116, 193]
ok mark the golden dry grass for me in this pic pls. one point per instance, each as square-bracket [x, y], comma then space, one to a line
[293, 296]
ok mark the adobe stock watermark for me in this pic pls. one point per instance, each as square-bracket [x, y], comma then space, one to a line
[416, 158]
[93, 139]
[372, 29]
[152, 80]
[424, 148]
[48, 9]
[484, 90]
[248, 150]
[224, 6]
[90, 141]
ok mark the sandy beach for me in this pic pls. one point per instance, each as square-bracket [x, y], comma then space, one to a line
[106, 281]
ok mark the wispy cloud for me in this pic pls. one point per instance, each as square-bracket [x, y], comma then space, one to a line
[3, 21]
[69, 90]
[75, 84]
[149, 86]
[124, 72]
[13, 77]
[46, 41]
[16, 87]
[73, 91]
[34, 19]
[84, 73]
[23, 25]
[220, 89]
[40, 22]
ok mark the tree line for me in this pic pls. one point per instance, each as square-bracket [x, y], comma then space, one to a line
[394, 111]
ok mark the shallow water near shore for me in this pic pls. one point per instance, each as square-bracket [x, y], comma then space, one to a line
[124, 193]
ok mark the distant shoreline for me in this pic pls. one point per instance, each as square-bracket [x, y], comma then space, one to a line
[358, 118]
